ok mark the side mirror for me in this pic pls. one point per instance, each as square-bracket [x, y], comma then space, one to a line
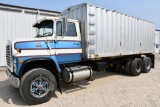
[64, 25]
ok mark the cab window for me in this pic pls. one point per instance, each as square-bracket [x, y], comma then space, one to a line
[71, 31]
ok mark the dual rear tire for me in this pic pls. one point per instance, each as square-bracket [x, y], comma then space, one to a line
[138, 65]
[147, 64]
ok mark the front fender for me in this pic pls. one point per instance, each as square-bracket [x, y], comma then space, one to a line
[26, 60]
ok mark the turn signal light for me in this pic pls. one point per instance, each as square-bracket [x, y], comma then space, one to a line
[19, 50]
[20, 61]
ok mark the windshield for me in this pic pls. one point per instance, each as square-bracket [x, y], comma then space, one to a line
[45, 28]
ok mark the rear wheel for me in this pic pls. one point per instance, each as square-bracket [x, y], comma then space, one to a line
[37, 86]
[111, 67]
[136, 67]
[128, 67]
[146, 64]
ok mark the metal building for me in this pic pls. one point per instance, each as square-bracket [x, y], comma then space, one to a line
[16, 22]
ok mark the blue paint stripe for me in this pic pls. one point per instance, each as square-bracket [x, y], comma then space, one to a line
[30, 45]
[62, 44]
[42, 45]
[58, 59]
[68, 58]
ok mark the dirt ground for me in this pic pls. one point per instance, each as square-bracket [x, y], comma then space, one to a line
[109, 89]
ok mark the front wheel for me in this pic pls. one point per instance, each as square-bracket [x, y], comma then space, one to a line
[37, 86]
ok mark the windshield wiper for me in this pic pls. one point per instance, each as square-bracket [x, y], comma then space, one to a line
[39, 35]
[45, 34]
[47, 44]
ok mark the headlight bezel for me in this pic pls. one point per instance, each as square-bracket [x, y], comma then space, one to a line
[14, 64]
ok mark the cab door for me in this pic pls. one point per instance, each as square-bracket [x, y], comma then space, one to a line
[68, 45]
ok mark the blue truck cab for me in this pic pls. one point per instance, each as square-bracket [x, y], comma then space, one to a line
[36, 66]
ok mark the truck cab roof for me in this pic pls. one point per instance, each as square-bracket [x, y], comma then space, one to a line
[45, 18]
[50, 18]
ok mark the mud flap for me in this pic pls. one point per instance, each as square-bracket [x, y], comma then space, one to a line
[152, 56]
[59, 87]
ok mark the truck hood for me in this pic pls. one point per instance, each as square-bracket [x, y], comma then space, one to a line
[29, 43]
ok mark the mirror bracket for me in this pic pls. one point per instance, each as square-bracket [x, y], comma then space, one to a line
[64, 25]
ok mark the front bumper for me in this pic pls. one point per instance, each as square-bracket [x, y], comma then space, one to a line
[13, 79]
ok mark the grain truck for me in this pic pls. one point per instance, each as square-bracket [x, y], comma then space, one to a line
[67, 48]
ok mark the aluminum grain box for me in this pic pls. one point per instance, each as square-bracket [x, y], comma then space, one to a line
[107, 33]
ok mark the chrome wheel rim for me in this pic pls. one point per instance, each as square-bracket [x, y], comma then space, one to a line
[148, 65]
[39, 87]
[138, 68]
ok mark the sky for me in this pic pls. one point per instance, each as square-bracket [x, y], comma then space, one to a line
[145, 9]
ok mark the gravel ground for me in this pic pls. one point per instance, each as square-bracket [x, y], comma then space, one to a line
[109, 89]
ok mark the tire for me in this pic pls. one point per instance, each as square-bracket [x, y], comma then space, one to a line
[111, 68]
[128, 67]
[147, 64]
[150, 61]
[37, 86]
[136, 67]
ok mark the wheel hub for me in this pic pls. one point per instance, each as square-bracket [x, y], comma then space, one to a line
[39, 87]
[138, 68]
[147, 65]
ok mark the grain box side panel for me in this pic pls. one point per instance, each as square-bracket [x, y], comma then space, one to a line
[140, 34]
[153, 36]
[108, 33]
[126, 33]
[136, 36]
[129, 34]
[99, 35]
[91, 30]
[157, 41]
[114, 40]
[144, 33]
[118, 45]
[104, 29]
[148, 38]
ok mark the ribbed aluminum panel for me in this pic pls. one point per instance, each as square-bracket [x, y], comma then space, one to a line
[107, 33]
[16, 24]
[157, 41]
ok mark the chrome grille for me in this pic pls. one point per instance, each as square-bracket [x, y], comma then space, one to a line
[8, 55]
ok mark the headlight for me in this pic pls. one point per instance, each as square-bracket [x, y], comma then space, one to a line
[14, 65]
